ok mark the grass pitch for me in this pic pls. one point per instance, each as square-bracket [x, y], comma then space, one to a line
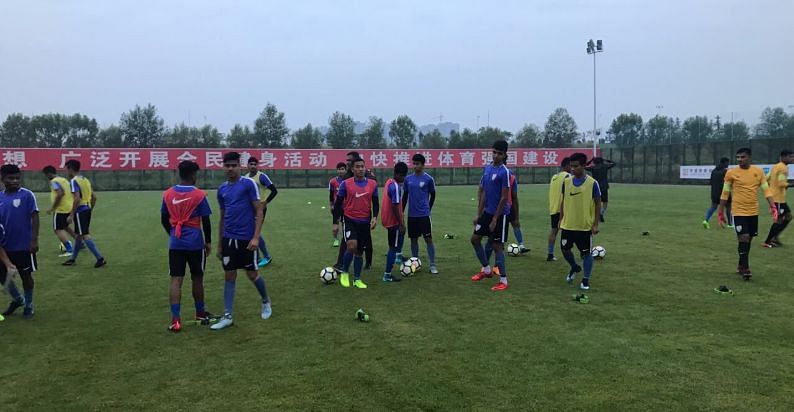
[655, 335]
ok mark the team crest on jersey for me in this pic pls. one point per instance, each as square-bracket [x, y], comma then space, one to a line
[226, 260]
[738, 228]
[493, 176]
[564, 242]
[421, 184]
[16, 202]
[477, 227]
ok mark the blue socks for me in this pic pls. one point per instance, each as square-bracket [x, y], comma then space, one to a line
[488, 251]
[500, 263]
[480, 252]
[67, 246]
[588, 265]
[259, 282]
[415, 247]
[551, 248]
[89, 243]
[431, 253]
[78, 244]
[175, 310]
[519, 236]
[709, 213]
[568, 255]
[228, 296]
[390, 261]
[199, 308]
[358, 262]
[346, 259]
[28, 298]
[263, 247]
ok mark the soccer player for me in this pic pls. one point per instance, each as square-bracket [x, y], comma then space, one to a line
[264, 182]
[555, 197]
[492, 211]
[21, 225]
[62, 200]
[351, 156]
[240, 224]
[357, 202]
[716, 181]
[600, 170]
[778, 182]
[512, 219]
[8, 270]
[580, 204]
[333, 189]
[742, 183]
[421, 194]
[82, 205]
[185, 213]
[392, 218]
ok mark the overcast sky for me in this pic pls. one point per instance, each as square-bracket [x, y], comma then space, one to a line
[517, 60]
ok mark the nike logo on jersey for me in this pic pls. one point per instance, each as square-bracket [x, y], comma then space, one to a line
[360, 194]
[575, 193]
[176, 202]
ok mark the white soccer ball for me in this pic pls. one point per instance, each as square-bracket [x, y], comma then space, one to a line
[407, 268]
[417, 263]
[513, 249]
[599, 252]
[328, 275]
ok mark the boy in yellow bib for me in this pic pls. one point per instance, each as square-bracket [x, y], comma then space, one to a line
[579, 208]
[62, 202]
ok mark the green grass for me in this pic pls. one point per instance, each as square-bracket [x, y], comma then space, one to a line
[655, 335]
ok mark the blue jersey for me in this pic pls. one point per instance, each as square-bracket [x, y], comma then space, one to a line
[192, 237]
[18, 207]
[419, 188]
[239, 214]
[494, 179]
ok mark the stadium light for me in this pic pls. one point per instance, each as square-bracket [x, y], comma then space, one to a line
[594, 48]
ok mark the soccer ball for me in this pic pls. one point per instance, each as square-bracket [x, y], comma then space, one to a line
[328, 275]
[408, 268]
[513, 249]
[417, 263]
[598, 252]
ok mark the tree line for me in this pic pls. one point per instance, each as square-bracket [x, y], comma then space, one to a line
[143, 127]
[628, 129]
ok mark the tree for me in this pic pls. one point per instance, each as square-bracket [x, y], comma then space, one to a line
[697, 129]
[82, 131]
[403, 132]
[110, 137]
[142, 127]
[735, 131]
[240, 137]
[469, 139]
[372, 137]
[626, 129]
[307, 137]
[16, 131]
[341, 132]
[455, 140]
[773, 123]
[560, 129]
[487, 135]
[434, 140]
[270, 128]
[49, 130]
[658, 130]
[529, 136]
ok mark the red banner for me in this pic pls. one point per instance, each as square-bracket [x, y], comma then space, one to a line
[296, 159]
